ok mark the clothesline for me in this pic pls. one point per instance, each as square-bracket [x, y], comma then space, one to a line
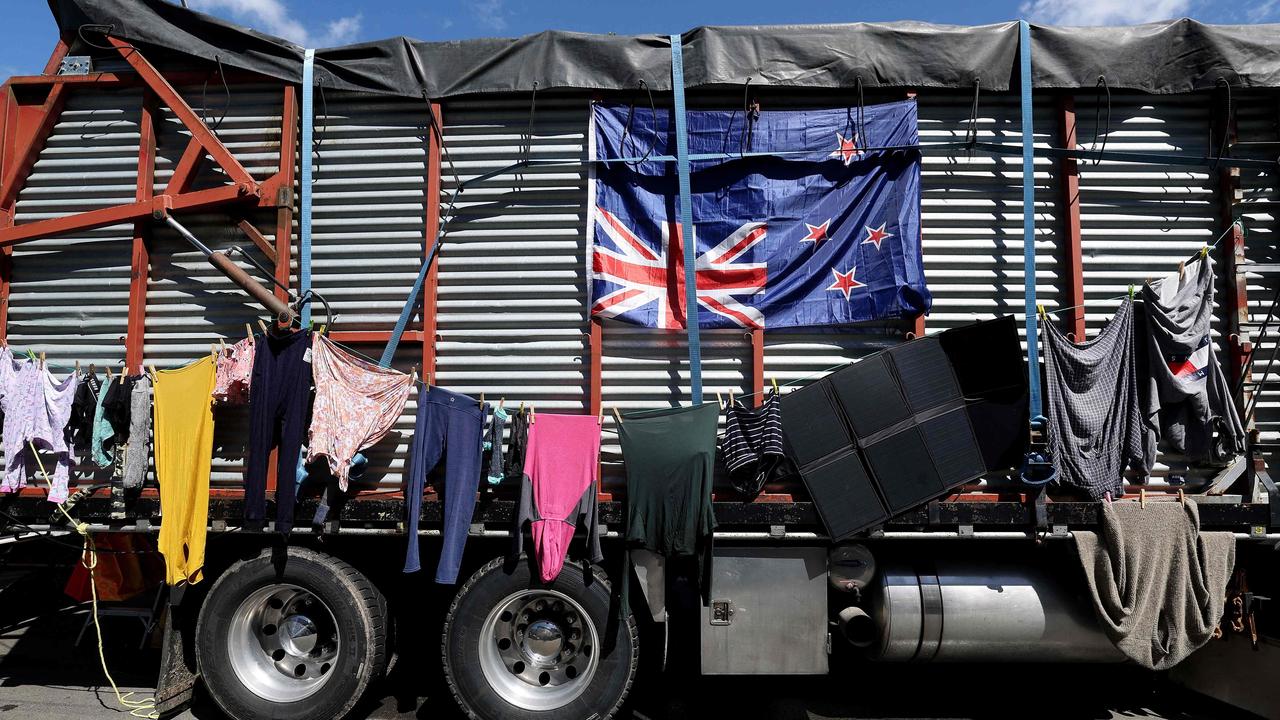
[1210, 246]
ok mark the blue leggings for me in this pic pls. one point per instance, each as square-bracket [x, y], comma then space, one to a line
[449, 426]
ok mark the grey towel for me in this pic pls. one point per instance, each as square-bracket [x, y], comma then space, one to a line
[1095, 431]
[137, 450]
[1188, 406]
[1158, 584]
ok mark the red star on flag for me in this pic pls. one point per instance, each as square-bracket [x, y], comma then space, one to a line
[844, 282]
[817, 233]
[875, 236]
[848, 148]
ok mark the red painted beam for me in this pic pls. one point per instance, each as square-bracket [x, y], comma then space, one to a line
[184, 173]
[30, 131]
[55, 59]
[140, 261]
[431, 286]
[8, 120]
[107, 79]
[1069, 202]
[199, 200]
[259, 240]
[170, 97]
[283, 196]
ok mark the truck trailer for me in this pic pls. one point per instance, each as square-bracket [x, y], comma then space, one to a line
[173, 182]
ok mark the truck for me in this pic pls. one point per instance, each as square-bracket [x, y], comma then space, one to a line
[172, 180]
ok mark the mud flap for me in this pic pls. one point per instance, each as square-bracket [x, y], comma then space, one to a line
[176, 684]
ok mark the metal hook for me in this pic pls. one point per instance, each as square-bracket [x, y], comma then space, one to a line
[1097, 114]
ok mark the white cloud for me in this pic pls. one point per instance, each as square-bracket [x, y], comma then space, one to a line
[490, 13]
[274, 17]
[1102, 12]
[1262, 12]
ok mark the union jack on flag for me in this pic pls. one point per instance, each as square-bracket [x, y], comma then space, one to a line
[809, 229]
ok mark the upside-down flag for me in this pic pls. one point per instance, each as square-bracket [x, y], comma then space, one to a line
[813, 219]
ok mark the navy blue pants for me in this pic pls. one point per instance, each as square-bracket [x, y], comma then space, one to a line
[448, 425]
[279, 391]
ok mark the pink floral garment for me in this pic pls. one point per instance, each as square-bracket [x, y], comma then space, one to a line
[357, 403]
[234, 370]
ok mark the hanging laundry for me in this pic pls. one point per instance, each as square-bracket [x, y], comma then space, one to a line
[279, 392]
[493, 445]
[558, 489]
[116, 407]
[235, 373]
[137, 449]
[448, 425]
[356, 405]
[103, 433]
[1095, 431]
[36, 410]
[514, 459]
[670, 462]
[82, 411]
[184, 454]
[752, 445]
[1189, 408]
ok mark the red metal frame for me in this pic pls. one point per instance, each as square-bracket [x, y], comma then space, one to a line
[55, 59]
[1069, 202]
[283, 194]
[1229, 193]
[430, 288]
[140, 262]
[244, 185]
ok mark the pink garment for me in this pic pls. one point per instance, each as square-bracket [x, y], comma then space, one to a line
[356, 405]
[234, 370]
[562, 460]
[37, 409]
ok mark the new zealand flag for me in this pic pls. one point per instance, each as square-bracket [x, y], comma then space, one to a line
[818, 231]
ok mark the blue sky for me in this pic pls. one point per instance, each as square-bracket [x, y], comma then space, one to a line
[30, 34]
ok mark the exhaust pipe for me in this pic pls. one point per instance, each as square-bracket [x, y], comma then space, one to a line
[857, 626]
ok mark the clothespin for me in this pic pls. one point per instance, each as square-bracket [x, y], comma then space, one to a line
[1182, 269]
[415, 373]
[222, 344]
[323, 327]
[719, 400]
[248, 331]
[775, 385]
[617, 416]
[501, 402]
[31, 354]
[152, 369]
[600, 417]
[1204, 252]
[109, 378]
[77, 367]
[263, 325]
[1142, 497]
[1107, 496]
[730, 397]
[521, 407]
[1040, 310]
[213, 350]
[41, 357]
[533, 415]
[93, 369]
[482, 398]
[1182, 497]
[1131, 292]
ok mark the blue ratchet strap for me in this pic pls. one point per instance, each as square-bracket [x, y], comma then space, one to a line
[304, 222]
[412, 302]
[1029, 221]
[686, 222]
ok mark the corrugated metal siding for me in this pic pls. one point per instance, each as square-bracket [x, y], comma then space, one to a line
[511, 308]
[1138, 221]
[191, 305]
[369, 206]
[1258, 122]
[70, 295]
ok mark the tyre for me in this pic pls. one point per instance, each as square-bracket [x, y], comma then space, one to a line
[518, 649]
[298, 642]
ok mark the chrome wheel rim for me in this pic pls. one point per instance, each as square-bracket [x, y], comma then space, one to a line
[538, 649]
[282, 642]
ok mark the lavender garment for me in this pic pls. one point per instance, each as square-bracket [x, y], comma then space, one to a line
[36, 410]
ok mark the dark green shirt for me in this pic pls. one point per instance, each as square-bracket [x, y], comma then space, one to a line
[670, 461]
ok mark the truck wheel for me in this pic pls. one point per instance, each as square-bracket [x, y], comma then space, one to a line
[300, 642]
[516, 649]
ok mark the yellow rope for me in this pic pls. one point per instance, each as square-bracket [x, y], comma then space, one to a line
[146, 707]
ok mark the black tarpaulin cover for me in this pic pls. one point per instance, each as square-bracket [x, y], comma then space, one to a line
[1166, 57]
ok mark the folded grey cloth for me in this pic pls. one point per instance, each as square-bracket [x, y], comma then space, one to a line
[1158, 584]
